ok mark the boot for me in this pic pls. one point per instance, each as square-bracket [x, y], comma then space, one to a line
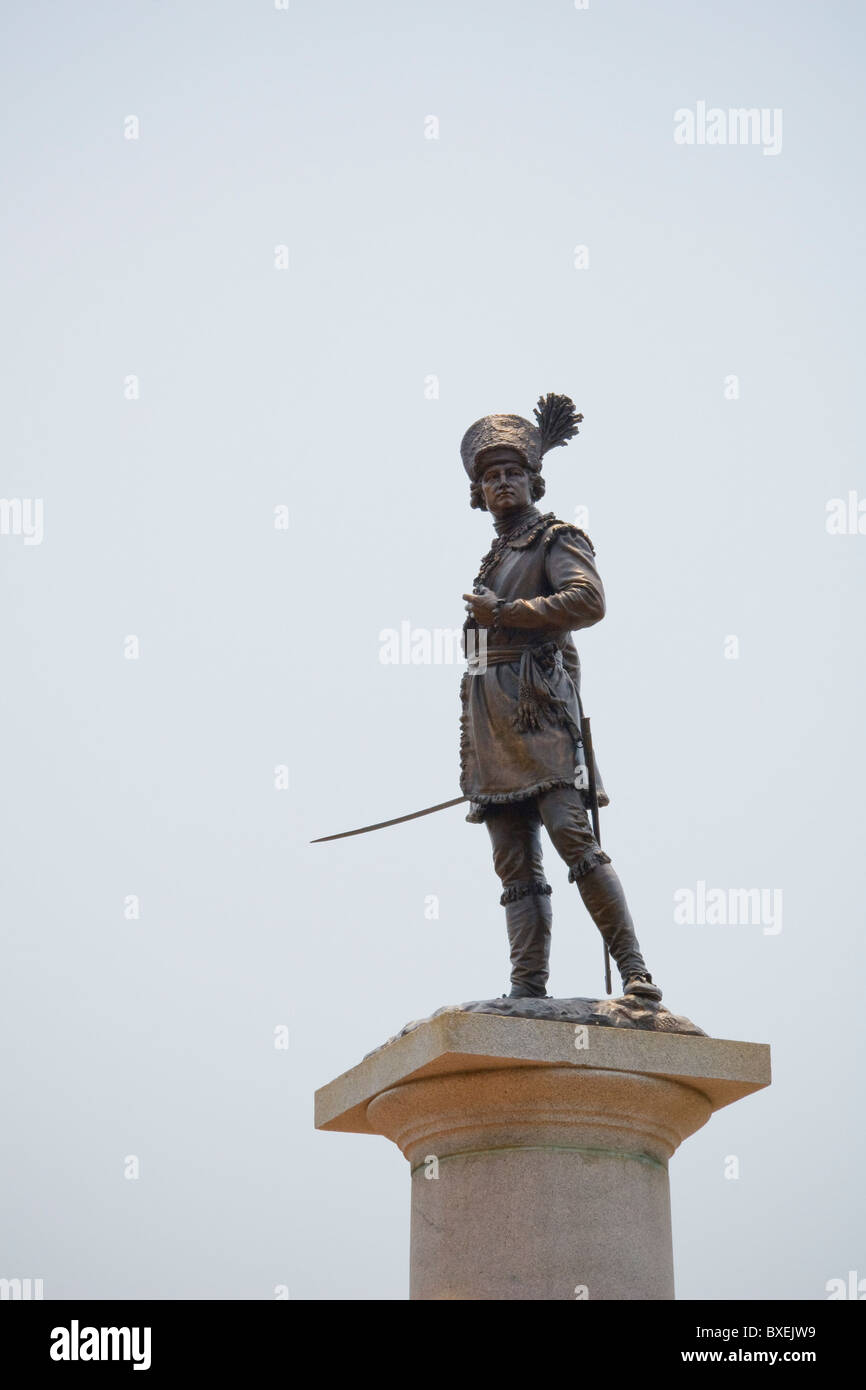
[604, 899]
[528, 917]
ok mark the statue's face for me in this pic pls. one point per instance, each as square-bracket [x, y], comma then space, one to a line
[504, 483]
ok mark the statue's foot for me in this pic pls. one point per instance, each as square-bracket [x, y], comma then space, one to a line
[520, 992]
[643, 986]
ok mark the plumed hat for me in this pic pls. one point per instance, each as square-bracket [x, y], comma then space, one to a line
[556, 423]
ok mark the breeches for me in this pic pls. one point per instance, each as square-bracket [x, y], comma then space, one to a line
[515, 833]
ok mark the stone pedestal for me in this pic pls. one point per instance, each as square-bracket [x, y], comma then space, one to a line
[539, 1150]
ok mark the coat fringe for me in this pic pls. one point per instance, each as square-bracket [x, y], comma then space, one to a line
[482, 803]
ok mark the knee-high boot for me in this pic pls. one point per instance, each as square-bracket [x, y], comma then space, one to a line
[528, 917]
[604, 899]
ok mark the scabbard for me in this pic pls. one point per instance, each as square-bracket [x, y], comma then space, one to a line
[592, 789]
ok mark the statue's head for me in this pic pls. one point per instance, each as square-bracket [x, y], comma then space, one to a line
[497, 446]
[504, 483]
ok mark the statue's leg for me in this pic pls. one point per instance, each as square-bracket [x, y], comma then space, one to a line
[565, 819]
[515, 835]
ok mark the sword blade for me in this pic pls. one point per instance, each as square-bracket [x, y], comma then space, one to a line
[398, 820]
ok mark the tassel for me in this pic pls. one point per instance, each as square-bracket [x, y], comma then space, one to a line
[528, 716]
[532, 693]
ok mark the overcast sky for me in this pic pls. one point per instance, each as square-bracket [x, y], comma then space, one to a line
[259, 259]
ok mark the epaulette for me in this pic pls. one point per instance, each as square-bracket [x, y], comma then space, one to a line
[558, 527]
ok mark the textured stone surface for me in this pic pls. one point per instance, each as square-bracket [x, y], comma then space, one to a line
[454, 1041]
[625, 1012]
[547, 1225]
[545, 1179]
[539, 1148]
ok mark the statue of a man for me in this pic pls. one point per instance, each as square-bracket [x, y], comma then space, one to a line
[521, 745]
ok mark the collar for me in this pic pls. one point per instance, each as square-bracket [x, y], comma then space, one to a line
[524, 530]
[516, 521]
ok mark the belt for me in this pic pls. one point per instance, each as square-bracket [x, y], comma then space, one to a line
[545, 652]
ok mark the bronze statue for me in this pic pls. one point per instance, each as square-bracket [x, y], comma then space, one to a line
[526, 757]
[523, 755]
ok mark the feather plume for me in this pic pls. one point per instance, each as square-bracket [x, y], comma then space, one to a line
[557, 420]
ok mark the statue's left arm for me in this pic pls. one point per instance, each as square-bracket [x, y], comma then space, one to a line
[577, 598]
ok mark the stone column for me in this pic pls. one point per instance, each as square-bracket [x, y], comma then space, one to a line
[539, 1150]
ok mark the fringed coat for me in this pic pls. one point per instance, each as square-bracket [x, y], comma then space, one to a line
[520, 726]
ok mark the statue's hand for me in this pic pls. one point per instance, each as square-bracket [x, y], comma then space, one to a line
[482, 606]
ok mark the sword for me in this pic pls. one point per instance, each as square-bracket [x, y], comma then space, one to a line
[398, 820]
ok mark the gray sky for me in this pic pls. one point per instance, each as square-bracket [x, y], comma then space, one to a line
[259, 387]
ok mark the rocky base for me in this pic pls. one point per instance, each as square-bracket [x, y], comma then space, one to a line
[629, 1011]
